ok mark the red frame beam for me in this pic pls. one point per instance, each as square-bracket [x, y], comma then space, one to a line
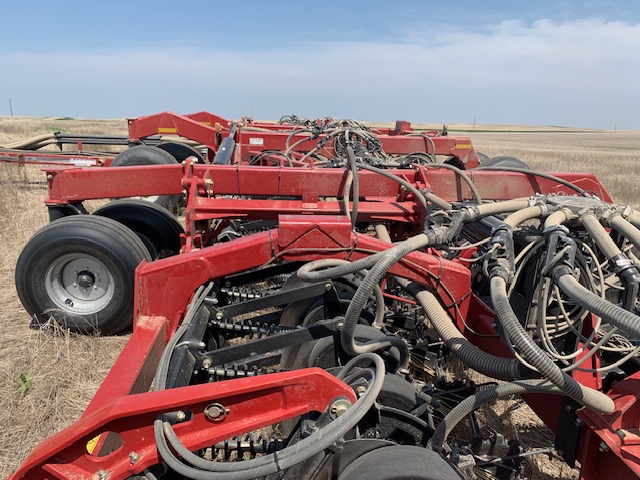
[252, 403]
[71, 185]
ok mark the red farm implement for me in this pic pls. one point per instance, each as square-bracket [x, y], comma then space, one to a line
[293, 325]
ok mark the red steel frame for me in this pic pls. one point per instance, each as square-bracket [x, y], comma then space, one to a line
[251, 139]
[309, 228]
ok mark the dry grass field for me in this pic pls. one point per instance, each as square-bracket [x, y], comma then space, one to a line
[60, 372]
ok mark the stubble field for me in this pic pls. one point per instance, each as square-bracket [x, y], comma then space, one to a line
[60, 372]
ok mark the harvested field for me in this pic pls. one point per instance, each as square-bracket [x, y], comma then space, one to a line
[47, 378]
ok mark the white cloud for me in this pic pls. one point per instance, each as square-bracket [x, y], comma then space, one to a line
[581, 73]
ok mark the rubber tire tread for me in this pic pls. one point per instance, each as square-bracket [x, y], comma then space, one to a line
[399, 462]
[113, 243]
[151, 222]
[504, 161]
[142, 155]
[180, 151]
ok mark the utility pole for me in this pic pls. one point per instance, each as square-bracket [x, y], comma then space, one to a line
[10, 107]
[474, 124]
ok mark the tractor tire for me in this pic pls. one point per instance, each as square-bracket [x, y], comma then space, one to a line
[180, 151]
[400, 462]
[156, 226]
[79, 271]
[483, 158]
[149, 155]
[504, 161]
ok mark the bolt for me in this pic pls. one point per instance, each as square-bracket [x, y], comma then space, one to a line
[339, 407]
[101, 475]
[308, 428]
[579, 422]
[569, 408]
[327, 287]
[50, 177]
[215, 301]
[360, 390]
[603, 447]
[180, 416]
[206, 363]
[133, 458]
[340, 325]
[219, 316]
[216, 412]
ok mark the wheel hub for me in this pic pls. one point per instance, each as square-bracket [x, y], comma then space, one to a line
[85, 279]
[79, 283]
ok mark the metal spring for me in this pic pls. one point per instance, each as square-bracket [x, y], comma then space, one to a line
[255, 330]
[247, 445]
[237, 294]
[229, 372]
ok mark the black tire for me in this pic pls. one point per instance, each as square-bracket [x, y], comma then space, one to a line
[79, 270]
[400, 462]
[483, 157]
[156, 226]
[504, 161]
[180, 151]
[141, 155]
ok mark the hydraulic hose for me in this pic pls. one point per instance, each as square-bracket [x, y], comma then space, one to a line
[269, 464]
[538, 358]
[416, 193]
[481, 361]
[625, 228]
[355, 186]
[615, 315]
[351, 317]
[473, 402]
[465, 178]
[377, 291]
[501, 207]
[32, 143]
[599, 235]
[310, 272]
[523, 215]
[559, 217]
[621, 264]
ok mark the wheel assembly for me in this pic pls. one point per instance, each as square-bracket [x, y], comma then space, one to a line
[79, 271]
[180, 151]
[157, 227]
[149, 155]
[502, 161]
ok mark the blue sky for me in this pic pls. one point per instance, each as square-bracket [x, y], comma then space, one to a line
[537, 63]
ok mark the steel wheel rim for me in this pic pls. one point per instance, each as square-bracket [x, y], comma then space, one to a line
[79, 283]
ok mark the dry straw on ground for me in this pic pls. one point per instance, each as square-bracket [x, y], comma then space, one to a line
[65, 370]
